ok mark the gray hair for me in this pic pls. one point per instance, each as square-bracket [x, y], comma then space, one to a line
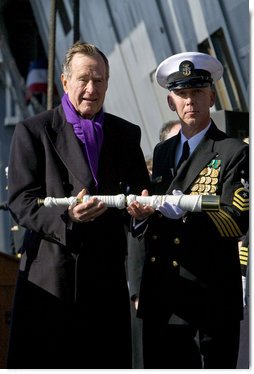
[167, 127]
[85, 49]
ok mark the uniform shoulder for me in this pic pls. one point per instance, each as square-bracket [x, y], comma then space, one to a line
[226, 140]
[168, 143]
[233, 142]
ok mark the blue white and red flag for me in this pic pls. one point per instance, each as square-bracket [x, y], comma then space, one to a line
[37, 77]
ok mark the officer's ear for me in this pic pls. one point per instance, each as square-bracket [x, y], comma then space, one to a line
[171, 103]
[212, 96]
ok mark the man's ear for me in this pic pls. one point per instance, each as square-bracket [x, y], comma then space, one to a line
[171, 103]
[64, 82]
[212, 98]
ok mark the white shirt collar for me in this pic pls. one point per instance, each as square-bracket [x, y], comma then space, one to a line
[195, 139]
[193, 142]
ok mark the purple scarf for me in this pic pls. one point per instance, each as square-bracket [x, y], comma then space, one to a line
[88, 131]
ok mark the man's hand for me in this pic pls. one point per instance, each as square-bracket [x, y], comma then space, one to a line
[170, 210]
[139, 211]
[88, 211]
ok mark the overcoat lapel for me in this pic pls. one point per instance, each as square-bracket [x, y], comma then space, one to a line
[65, 142]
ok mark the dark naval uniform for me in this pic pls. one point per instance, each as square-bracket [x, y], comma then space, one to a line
[192, 278]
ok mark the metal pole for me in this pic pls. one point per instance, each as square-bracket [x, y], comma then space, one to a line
[76, 33]
[51, 55]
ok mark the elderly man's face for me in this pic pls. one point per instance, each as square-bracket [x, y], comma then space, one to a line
[87, 84]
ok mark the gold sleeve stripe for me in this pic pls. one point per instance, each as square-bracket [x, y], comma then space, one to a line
[217, 223]
[244, 255]
[231, 222]
[228, 229]
[243, 261]
[245, 258]
[225, 224]
[244, 250]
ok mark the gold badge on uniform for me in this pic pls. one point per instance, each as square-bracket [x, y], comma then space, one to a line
[207, 181]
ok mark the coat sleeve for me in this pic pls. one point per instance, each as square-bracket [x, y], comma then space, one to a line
[27, 182]
[232, 220]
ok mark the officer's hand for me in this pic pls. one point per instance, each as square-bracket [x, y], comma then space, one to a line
[170, 210]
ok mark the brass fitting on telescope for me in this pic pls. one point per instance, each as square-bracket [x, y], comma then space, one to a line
[210, 202]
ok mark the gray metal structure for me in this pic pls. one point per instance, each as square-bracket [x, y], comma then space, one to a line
[137, 35]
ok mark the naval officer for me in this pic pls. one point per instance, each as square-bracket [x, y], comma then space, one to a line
[191, 291]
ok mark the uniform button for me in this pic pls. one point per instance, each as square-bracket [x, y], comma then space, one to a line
[177, 241]
[175, 264]
[152, 259]
[155, 237]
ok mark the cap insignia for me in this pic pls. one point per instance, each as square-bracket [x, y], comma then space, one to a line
[186, 67]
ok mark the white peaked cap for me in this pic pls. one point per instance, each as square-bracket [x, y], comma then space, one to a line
[188, 69]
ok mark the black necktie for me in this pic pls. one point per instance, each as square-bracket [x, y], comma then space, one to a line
[185, 154]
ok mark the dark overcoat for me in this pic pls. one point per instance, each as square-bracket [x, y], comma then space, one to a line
[192, 271]
[71, 307]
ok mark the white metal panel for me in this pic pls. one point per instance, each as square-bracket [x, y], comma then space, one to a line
[136, 36]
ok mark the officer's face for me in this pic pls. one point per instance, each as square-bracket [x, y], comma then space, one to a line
[87, 84]
[192, 106]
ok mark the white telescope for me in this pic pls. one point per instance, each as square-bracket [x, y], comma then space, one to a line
[190, 203]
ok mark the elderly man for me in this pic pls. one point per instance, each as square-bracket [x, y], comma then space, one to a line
[71, 308]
